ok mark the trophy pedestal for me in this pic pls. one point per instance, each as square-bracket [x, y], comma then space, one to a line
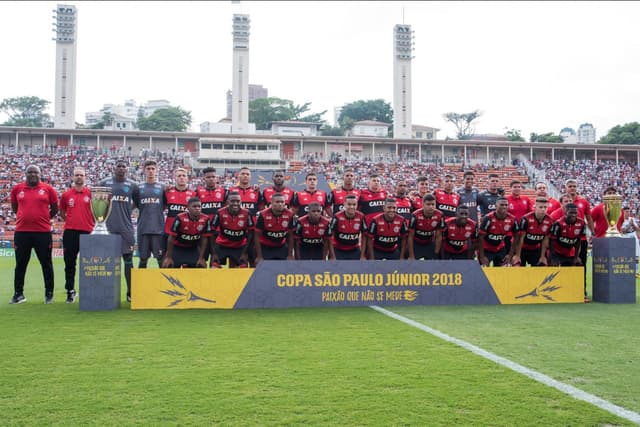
[613, 267]
[100, 280]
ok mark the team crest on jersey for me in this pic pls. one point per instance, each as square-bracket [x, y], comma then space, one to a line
[576, 231]
[72, 202]
[319, 198]
[21, 194]
[284, 223]
[467, 234]
[507, 227]
[200, 227]
[86, 199]
[434, 223]
[217, 194]
[126, 188]
[252, 196]
[544, 228]
[356, 226]
[396, 229]
[41, 192]
[321, 231]
[240, 223]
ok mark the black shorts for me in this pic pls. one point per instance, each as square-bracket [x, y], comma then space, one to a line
[449, 255]
[497, 258]
[150, 244]
[310, 253]
[269, 252]
[185, 257]
[352, 254]
[386, 255]
[562, 261]
[232, 254]
[424, 251]
[530, 257]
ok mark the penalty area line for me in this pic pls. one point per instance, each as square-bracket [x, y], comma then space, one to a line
[535, 375]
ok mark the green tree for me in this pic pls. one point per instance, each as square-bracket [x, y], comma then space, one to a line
[628, 134]
[463, 122]
[166, 119]
[513, 135]
[331, 131]
[372, 109]
[25, 111]
[545, 137]
[264, 111]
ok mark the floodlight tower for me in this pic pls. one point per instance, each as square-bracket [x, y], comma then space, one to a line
[240, 85]
[402, 56]
[65, 27]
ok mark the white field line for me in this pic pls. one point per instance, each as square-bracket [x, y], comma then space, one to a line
[544, 379]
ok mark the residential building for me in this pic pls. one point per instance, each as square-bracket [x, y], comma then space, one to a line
[424, 132]
[369, 128]
[586, 134]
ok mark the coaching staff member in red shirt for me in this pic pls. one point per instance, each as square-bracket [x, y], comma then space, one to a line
[75, 210]
[34, 203]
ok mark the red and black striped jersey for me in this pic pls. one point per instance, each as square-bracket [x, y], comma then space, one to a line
[424, 228]
[232, 230]
[345, 231]
[189, 232]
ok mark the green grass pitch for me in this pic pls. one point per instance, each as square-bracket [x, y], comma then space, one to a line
[325, 366]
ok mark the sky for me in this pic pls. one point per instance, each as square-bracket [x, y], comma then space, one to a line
[531, 66]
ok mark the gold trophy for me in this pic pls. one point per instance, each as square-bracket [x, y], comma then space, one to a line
[612, 208]
[100, 208]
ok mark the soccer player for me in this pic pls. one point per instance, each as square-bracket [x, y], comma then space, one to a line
[446, 199]
[123, 192]
[176, 198]
[417, 197]
[584, 212]
[302, 199]
[250, 199]
[277, 187]
[188, 238]
[425, 230]
[565, 238]
[35, 203]
[469, 195]
[532, 239]
[337, 196]
[598, 214]
[459, 236]
[487, 198]
[493, 230]
[387, 234]
[75, 210]
[212, 196]
[233, 226]
[150, 204]
[346, 229]
[371, 204]
[273, 237]
[403, 202]
[518, 207]
[541, 191]
[312, 237]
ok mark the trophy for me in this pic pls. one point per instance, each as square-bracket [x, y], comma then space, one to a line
[612, 207]
[100, 208]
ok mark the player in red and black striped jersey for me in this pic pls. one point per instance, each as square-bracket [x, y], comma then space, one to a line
[493, 230]
[532, 239]
[188, 238]
[212, 196]
[346, 229]
[233, 228]
[447, 200]
[565, 238]
[371, 204]
[250, 197]
[403, 203]
[459, 236]
[302, 199]
[425, 230]
[387, 234]
[541, 191]
[176, 198]
[273, 237]
[337, 196]
[277, 187]
[417, 196]
[311, 235]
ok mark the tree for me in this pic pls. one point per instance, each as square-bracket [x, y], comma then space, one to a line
[331, 131]
[545, 137]
[166, 119]
[373, 109]
[463, 122]
[627, 134]
[264, 111]
[513, 135]
[25, 111]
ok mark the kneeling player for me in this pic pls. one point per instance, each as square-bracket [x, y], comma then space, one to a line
[387, 234]
[188, 237]
[234, 228]
[425, 230]
[312, 237]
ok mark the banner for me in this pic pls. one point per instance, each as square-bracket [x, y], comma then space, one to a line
[281, 284]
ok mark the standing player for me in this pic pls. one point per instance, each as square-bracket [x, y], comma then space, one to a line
[584, 212]
[277, 187]
[532, 239]
[565, 238]
[302, 199]
[274, 231]
[337, 196]
[150, 204]
[371, 203]
[346, 229]
[493, 230]
[387, 234]
[35, 204]
[403, 203]
[469, 195]
[600, 221]
[250, 199]
[487, 199]
[459, 236]
[212, 197]
[233, 226]
[188, 238]
[75, 210]
[446, 199]
[541, 192]
[425, 230]
[123, 192]
[176, 198]
[518, 207]
[312, 237]
[422, 182]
